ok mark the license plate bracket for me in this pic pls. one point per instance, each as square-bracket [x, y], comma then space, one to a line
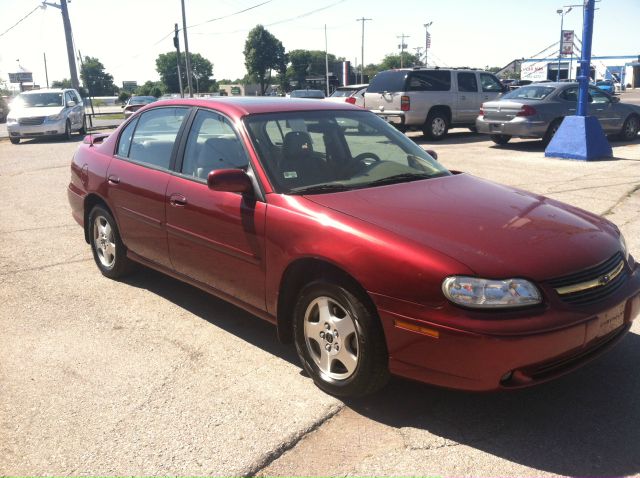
[611, 320]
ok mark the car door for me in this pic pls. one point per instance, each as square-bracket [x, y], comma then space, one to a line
[491, 88]
[137, 181]
[601, 106]
[215, 237]
[468, 97]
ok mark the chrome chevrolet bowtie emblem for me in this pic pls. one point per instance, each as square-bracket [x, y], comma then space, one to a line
[604, 279]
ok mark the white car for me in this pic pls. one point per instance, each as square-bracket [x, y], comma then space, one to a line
[353, 94]
[47, 112]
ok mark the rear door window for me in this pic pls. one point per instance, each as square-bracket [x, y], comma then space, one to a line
[125, 139]
[467, 82]
[155, 136]
[434, 80]
[490, 84]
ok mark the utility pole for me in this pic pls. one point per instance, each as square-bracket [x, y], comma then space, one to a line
[402, 46]
[427, 43]
[418, 52]
[362, 47]
[176, 43]
[73, 71]
[326, 58]
[186, 52]
[46, 73]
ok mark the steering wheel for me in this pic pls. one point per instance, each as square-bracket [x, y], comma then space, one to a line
[367, 158]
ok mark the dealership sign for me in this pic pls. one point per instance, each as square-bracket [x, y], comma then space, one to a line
[567, 42]
[21, 77]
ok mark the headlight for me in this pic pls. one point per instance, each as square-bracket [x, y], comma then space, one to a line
[55, 117]
[623, 245]
[485, 293]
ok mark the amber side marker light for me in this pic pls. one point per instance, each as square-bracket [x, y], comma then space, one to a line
[401, 324]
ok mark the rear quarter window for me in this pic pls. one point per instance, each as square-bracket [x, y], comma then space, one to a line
[388, 81]
[430, 81]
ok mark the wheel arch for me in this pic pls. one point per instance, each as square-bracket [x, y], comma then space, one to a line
[300, 273]
[90, 201]
[446, 109]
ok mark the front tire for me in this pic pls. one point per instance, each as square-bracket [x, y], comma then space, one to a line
[67, 131]
[339, 340]
[108, 250]
[500, 139]
[630, 128]
[83, 129]
[436, 126]
[14, 140]
[551, 131]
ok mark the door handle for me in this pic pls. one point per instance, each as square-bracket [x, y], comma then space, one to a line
[463, 97]
[114, 179]
[177, 200]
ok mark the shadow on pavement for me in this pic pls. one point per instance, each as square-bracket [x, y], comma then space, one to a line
[584, 424]
[215, 311]
[75, 138]
[461, 136]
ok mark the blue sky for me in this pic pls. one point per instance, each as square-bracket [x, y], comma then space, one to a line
[125, 34]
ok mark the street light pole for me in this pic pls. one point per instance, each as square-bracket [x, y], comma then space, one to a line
[562, 13]
[427, 43]
[186, 52]
[73, 70]
[362, 45]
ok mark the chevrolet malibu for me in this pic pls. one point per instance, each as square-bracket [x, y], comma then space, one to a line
[365, 252]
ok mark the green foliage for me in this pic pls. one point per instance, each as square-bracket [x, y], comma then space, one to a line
[124, 96]
[151, 88]
[308, 63]
[95, 79]
[65, 83]
[393, 61]
[263, 53]
[167, 68]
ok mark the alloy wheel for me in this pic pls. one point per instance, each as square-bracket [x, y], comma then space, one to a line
[104, 241]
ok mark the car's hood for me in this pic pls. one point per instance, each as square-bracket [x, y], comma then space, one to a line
[22, 112]
[497, 231]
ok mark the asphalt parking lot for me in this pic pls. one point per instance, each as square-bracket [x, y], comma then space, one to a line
[149, 376]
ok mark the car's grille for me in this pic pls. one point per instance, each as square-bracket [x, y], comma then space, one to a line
[31, 121]
[592, 284]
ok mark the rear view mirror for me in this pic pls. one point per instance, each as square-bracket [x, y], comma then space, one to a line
[229, 180]
[432, 153]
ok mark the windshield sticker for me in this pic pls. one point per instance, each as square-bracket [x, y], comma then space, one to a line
[290, 175]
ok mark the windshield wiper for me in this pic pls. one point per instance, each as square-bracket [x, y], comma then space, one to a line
[403, 178]
[320, 188]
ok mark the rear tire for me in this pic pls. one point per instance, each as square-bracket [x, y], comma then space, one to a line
[436, 126]
[14, 140]
[67, 131]
[500, 139]
[339, 340]
[630, 128]
[108, 250]
[551, 131]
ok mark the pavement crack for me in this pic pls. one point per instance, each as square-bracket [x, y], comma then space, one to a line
[289, 443]
[621, 200]
[39, 268]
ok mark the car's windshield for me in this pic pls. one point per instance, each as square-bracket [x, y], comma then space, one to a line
[342, 92]
[311, 152]
[531, 92]
[34, 100]
[141, 100]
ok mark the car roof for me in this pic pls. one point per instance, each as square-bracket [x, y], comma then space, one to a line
[248, 105]
[352, 87]
[45, 90]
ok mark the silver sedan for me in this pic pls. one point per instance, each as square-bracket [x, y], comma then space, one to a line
[536, 111]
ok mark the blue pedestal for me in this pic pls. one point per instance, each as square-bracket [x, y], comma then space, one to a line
[579, 137]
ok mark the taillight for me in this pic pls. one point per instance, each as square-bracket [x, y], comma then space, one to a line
[405, 103]
[351, 100]
[526, 110]
[481, 112]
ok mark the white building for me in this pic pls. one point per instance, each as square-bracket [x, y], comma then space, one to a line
[623, 69]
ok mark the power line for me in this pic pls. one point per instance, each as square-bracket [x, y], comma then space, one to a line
[302, 15]
[230, 15]
[19, 21]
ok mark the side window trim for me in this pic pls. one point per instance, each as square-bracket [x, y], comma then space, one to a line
[135, 126]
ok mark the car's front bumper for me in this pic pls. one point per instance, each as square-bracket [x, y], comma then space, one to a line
[47, 128]
[423, 350]
[519, 126]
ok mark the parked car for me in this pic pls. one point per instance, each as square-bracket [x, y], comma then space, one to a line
[353, 94]
[608, 86]
[518, 83]
[312, 94]
[135, 103]
[4, 110]
[363, 250]
[47, 112]
[537, 110]
[431, 100]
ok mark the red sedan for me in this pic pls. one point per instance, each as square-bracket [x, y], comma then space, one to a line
[357, 244]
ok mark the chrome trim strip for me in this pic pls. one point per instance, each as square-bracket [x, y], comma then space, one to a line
[591, 284]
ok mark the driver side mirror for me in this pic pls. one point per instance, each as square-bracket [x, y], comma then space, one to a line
[229, 180]
[71, 104]
[432, 153]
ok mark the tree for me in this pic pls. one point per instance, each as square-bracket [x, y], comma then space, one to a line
[151, 88]
[306, 63]
[263, 53]
[95, 79]
[392, 61]
[167, 68]
[65, 83]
